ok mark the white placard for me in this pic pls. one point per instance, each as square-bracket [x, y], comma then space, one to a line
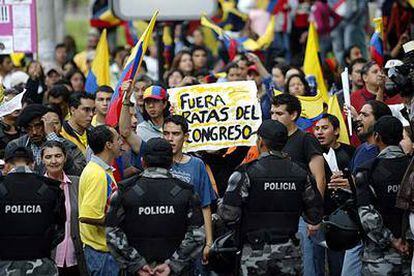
[347, 97]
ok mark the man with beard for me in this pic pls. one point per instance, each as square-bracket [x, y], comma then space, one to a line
[369, 114]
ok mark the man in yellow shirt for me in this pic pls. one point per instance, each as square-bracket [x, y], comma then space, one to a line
[82, 109]
[96, 185]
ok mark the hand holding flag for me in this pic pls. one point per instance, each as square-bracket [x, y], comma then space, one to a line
[130, 69]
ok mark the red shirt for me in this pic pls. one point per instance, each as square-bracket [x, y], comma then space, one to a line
[361, 96]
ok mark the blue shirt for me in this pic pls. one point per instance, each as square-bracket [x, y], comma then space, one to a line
[363, 153]
[194, 172]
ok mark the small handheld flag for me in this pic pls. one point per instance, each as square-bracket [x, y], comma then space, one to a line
[130, 69]
[376, 46]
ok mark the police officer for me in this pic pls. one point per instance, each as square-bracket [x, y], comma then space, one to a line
[267, 198]
[32, 215]
[153, 220]
[385, 251]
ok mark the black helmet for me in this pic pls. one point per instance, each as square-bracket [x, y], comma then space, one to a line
[224, 254]
[342, 230]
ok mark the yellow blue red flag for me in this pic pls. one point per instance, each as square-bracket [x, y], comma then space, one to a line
[130, 69]
[99, 73]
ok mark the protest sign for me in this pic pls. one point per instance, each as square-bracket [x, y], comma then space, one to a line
[220, 115]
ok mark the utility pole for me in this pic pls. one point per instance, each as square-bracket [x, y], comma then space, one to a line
[46, 29]
[59, 9]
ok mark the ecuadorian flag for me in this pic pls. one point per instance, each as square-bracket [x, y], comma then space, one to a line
[99, 73]
[130, 69]
[376, 47]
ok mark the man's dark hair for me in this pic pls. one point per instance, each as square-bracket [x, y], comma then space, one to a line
[105, 89]
[60, 45]
[367, 66]
[292, 103]
[179, 121]
[3, 58]
[332, 119]
[98, 137]
[356, 61]
[52, 144]
[390, 129]
[59, 90]
[75, 98]
[379, 109]
[63, 82]
[198, 48]
[29, 113]
[347, 53]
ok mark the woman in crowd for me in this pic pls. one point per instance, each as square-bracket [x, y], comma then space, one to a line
[69, 253]
[174, 78]
[183, 61]
[77, 80]
[297, 85]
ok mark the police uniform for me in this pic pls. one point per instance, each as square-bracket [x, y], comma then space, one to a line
[32, 215]
[155, 218]
[378, 182]
[266, 198]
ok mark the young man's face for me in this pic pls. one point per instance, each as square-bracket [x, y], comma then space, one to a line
[199, 59]
[175, 136]
[102, 102]
[139, 89]
[61, 55]
[84, 113]
[234, 74]
[279, 113]
[325, 132]
[155, 108]
[7, 65]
